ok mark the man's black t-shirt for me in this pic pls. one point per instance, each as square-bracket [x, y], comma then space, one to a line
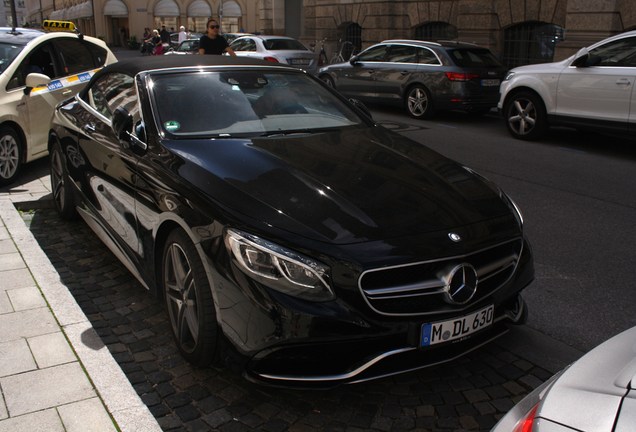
[213, 46]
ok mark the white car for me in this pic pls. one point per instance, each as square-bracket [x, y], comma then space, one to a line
[276, 49]
[590, 90]
[595, 394]
[37, 71]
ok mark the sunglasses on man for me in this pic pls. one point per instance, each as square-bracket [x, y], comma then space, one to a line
[215, 26]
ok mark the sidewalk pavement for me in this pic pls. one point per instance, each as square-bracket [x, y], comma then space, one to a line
[55, 372]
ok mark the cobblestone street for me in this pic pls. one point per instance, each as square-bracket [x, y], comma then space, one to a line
[468, 394]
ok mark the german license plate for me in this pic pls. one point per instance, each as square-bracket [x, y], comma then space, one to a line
[446, 331]
[299, 61]
[490, 82]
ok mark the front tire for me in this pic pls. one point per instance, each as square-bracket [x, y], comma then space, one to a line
[418, 102]
[11, 155]
[189, 301]
[61, 184]
[525, 116]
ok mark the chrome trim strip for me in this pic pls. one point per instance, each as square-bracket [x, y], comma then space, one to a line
[406, 288]
[446, 360]
[439, 291]
[339, 377]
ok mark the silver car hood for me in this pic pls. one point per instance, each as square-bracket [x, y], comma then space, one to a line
[588, 395]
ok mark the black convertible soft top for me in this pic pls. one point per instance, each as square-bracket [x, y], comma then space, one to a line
[139, 64]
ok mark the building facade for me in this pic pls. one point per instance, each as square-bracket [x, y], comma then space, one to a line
[518, 31]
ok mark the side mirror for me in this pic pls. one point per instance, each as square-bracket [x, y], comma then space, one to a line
[122, 124]
[353, 60]
[35, 80]
[362, 108]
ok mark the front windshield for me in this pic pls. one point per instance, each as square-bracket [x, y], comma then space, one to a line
[8, 53]
[240, 103]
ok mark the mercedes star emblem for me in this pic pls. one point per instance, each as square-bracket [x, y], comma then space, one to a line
[461, 284]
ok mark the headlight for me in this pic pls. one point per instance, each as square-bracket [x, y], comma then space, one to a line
[509, 76]
[279, 268]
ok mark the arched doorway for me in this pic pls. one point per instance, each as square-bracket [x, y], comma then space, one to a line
[530, 42]
[350, 32]
[231, 17]
[198, 13]
[116, 13]
[166, 13]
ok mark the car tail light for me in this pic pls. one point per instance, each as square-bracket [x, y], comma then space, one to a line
[525, 424]
[271, 59]
[460, 76]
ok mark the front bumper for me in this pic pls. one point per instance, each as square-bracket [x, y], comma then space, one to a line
[284, 341]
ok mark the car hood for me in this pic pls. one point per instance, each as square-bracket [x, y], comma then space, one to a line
[543, 67]
[589, 394]
[346, 186]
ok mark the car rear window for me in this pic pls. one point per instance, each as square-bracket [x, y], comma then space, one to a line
[283, 45]
[473, 57]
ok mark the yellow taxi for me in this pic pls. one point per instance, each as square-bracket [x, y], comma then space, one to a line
[39, 69]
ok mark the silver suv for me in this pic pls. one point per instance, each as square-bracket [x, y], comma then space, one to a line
[592, 89]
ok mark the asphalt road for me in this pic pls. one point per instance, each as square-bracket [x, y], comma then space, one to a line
[576, 191]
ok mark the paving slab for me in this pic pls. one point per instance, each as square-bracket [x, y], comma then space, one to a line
[15, 357]
[12, 279]
[42, 421]
[26, 298]
[28, 323]
[45, 388]
[51, 350]
[3, 407]
[86, 416]
[5, 304]
[7, 246]
[11, 261]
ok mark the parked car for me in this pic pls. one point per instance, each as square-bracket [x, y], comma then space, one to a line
[174, 38]
[229, 37]
[276, 49]
[282, 225]
[590, 90]
[423, 77]
[188, 46]
[596, 393]
[38, 70]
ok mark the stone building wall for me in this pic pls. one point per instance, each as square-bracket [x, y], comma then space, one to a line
[477, 21]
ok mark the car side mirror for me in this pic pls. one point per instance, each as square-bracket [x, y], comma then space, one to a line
[586, 60]
[362, 108]
[122, 124]
[35, 80]
[353, 60]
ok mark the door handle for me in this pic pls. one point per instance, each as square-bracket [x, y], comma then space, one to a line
[89, 128]
[404, 73]
[623, 81]
[67, 92]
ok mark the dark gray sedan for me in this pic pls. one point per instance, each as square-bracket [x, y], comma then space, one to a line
[421, 76]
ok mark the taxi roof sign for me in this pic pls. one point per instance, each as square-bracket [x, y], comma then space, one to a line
[53, 25]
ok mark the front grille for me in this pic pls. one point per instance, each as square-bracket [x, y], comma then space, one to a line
[419, 288]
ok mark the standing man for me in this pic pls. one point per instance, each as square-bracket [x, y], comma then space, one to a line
[165, 35]
[212, 42]
[182, 35]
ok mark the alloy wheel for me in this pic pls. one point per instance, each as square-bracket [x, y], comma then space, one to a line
[9, 156]
[181, 300]
[57, 179]
[522, 117]
[418, 102]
